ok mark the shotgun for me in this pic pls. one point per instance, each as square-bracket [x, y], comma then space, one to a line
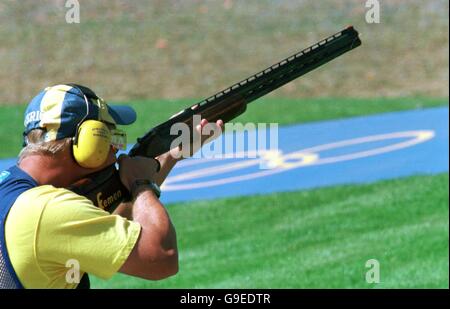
[105, 189]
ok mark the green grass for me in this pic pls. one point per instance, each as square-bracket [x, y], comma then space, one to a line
[283, 111]
[308, 239]
[313, 239]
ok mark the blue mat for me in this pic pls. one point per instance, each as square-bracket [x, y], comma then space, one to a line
[347, 151]
[356, 150]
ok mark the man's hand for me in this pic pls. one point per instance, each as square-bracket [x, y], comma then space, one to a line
[203, 133]
[134, 168]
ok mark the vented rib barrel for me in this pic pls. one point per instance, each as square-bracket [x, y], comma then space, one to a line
[290, 68]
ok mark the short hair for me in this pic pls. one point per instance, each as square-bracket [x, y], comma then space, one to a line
[36, 145]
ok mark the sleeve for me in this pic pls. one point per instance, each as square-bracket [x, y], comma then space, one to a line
[71, 227]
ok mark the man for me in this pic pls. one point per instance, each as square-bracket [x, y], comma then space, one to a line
[46, 228]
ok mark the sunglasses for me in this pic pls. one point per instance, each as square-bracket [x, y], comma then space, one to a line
[118, 139]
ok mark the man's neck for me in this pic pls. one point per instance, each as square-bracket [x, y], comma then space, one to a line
[46, 170]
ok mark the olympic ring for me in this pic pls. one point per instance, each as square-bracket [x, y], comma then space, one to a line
[275, 162]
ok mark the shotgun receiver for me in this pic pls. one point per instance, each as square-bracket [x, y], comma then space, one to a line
[105, 189]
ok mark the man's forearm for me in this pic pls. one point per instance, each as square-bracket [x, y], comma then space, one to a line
[167, 164]
[155, 254]
[125, 210]
[154, 219]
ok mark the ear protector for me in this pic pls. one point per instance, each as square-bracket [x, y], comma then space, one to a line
[92, 142]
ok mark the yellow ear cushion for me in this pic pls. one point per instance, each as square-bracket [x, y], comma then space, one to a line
[93, 145]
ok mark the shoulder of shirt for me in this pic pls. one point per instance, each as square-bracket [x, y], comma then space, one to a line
[50, 193]
[57, 201]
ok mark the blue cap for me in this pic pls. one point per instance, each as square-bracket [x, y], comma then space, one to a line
[60, 109]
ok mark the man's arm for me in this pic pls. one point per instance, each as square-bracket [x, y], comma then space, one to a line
[167, 162]
[169, 159]
[155, 254]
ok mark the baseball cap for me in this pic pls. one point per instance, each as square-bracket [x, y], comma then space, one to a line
[61, 108]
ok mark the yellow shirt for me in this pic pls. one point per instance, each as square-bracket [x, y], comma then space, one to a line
[48, 228]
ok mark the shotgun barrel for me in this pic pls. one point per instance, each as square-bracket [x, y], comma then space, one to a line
[231, 102]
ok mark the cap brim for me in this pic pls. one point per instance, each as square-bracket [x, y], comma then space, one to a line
[122, 114]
